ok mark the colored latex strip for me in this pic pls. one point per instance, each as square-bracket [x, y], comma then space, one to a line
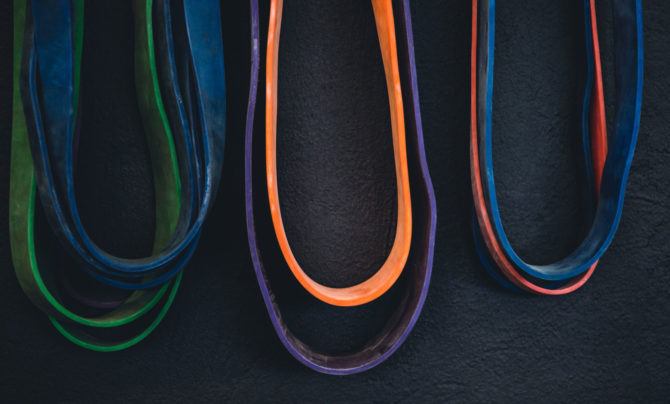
[607, 164]
[390, 271]
[416, 271]
[190, 79]
[95, 318]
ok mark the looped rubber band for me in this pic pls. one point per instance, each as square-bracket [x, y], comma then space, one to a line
[391, 269]
[117, 323]
[417, 272]
[607, 166]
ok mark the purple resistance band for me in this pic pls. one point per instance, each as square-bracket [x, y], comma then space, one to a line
[419, 265]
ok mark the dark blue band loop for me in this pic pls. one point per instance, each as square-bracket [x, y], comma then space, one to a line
[193, 85]
[607, 214]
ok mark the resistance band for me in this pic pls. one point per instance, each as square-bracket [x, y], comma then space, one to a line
[183, 111]
[389, 272]
[418, 267]
[607, 167]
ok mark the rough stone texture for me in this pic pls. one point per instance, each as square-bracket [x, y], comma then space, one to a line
[475, 342]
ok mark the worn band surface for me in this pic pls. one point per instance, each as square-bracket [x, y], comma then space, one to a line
[416, 271]
[194, 95]
[95, 318]
[607, 166]
[389, 272]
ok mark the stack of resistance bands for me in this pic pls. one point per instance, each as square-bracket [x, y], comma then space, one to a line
[106, 302]
[607, 166]
[407, 267]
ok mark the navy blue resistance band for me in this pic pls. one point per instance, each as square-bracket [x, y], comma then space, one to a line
[193, 89]
[488, 28]
[629, 79]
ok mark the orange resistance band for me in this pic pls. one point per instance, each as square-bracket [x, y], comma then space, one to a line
[387, 275]
[598, 147]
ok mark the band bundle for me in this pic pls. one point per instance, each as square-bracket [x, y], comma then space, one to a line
[106, 303]
[607, 163]
[109, 302]
[412, 251]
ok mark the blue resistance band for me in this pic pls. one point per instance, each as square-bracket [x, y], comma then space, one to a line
[190, 59]
[609, 205]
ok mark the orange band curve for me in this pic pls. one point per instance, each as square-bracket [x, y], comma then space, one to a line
[390, 271]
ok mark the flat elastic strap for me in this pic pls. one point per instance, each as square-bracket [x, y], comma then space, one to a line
[418, 269]
[390, 271]
[49, 103]
[607, 171]
[118, 324]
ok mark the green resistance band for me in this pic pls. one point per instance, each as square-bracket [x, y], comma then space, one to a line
[142, 310]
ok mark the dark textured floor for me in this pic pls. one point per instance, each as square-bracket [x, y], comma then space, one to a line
[609, 342]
